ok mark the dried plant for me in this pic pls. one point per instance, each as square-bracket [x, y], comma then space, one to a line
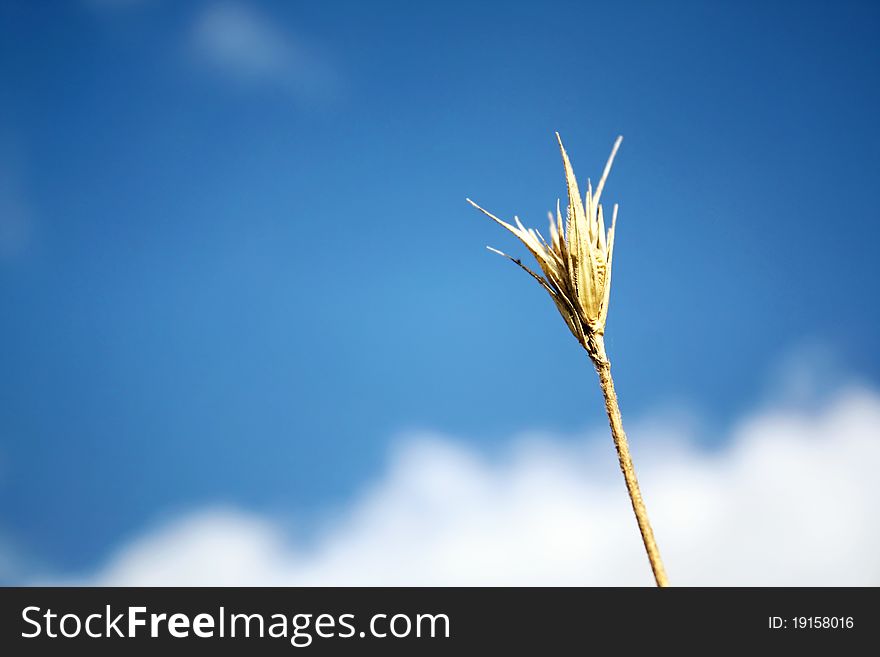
[576, 264]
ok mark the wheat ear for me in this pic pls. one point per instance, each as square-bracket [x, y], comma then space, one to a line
[576, 267]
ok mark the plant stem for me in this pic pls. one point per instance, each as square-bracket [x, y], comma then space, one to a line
[629, 474]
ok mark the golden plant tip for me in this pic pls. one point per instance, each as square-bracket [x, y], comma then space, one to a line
[576, 260]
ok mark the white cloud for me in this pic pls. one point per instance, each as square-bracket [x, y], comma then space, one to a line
[791, 499]
[246, 47]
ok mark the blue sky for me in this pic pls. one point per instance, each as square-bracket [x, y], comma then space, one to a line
[236, 261]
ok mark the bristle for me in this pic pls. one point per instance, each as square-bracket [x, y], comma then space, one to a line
[607, 169]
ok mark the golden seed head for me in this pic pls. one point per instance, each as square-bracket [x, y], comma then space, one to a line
[576, 262]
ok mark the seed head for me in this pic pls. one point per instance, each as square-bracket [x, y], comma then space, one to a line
[576, 262]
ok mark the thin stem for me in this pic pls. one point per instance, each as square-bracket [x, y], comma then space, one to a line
[629, 474]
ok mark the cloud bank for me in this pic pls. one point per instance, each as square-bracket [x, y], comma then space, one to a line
[791, 499]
